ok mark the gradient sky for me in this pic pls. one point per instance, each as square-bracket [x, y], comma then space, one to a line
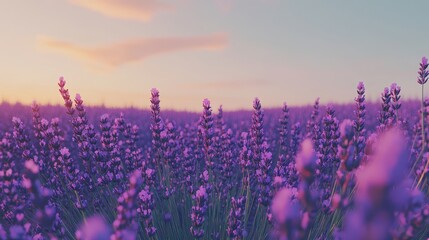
[113, 52]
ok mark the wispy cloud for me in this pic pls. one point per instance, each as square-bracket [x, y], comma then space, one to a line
[117, 54]
[140, 10]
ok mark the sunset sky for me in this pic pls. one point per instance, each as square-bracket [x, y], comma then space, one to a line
[113, 52]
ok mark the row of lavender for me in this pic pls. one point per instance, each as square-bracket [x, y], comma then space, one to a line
[292, 174]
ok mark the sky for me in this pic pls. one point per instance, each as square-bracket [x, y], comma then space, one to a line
[113, 52]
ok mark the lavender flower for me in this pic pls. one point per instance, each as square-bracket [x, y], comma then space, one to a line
[359, 127]
[21, 138]
[313, 127]
[395, 91]
[261, 155]
[198, 213]
[68, 103]
[125, 225]
[263, 175]
[423, 73]
[45, 215]
[189, 168]
[306, 164]
[207, 130]
[157, 125]
[94, 228]
[279, 170]
[373, 216]
[286, 215]
[39, 128]
[223, 145]
[329, 161]
[306, 161]
[236, 226]
[171, 149]
[9, 179]
[290, 171]
[385, 113]
[246, 164]
[145, 209]
[227, 163]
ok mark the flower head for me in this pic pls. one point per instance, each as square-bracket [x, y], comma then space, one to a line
[94, 228]
[206, 103]
[424, 61]
[306, 159]
[61, 82]
[423, 73]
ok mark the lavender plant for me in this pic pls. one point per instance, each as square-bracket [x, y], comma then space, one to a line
[100, 173]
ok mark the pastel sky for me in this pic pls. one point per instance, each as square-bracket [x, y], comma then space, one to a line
[113, 52]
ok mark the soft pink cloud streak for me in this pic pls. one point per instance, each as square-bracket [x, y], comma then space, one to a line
[133, 50]
[140, 10]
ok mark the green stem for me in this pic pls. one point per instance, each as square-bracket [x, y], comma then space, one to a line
[423, 120]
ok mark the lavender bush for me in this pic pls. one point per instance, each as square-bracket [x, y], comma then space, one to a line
[357, 171]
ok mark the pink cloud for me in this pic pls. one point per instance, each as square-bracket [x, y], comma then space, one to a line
[140, 10]
[117, 54]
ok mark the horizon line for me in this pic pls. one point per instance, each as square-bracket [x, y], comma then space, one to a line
[214, 109]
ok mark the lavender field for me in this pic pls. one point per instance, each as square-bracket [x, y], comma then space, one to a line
[353, 171]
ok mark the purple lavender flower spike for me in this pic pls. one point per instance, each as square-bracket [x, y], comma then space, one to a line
[245, 158]
[306, 164]
[68, 103]
[146, 199]
[157, 126]
[236, 229]
[385, 112]
[286, 215]
[198, 213]
[94, 228]
[264, 176]
[279, 170]
[207, 131]
[45, 215]
[395, 91]
[423, 73]
[262, 157]
[359, 138]
[329, 161]
[313, 126]
[125, 225]
[374, 211]
[290, 170]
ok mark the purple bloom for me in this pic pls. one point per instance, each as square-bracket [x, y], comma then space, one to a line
[423, 73]
[198, 213]
[374, 213]
[236, 229]
[329, 161]
[125, 225]
[280, 169]
[261, 155]
[66, 96]
[286, 215]
[206, 129]
[359, 128]
[94, 228]
[306, 160]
